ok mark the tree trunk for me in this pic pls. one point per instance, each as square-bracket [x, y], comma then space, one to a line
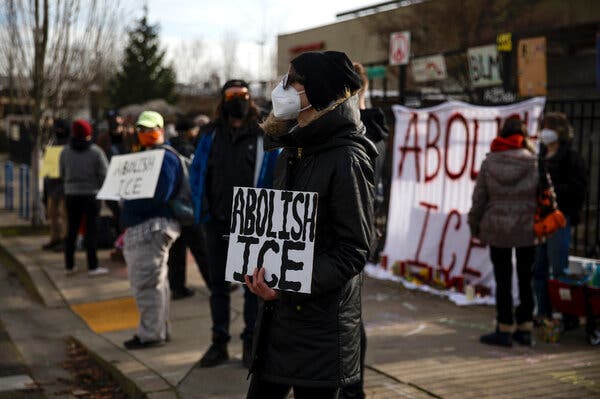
[40, 35]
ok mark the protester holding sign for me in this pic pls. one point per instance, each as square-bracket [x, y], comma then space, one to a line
[311, 342]
[151, 230]
[502, 213]
[83, 168]
[230, 153]
[54, 193]
[569, 178]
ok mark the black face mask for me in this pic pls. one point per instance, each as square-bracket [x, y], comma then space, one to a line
[236, 108]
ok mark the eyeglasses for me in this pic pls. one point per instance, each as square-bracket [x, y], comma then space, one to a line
[288, 79]
[236, 92]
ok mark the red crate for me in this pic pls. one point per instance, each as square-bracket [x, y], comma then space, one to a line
[567, 298]
[593, 295]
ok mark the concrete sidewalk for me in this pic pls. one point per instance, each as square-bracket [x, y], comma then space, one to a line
[419, 346]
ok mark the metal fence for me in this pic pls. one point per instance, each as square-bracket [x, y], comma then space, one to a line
[584, 115]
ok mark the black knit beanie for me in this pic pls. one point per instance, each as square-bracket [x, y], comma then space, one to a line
[234, 83]
[327, 75]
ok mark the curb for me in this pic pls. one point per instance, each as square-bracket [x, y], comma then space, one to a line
[134, 377]
[137, 380]
[32, 276]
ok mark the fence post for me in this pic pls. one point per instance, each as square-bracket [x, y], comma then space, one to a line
[21, 190]
[9, 185]
[27, 192]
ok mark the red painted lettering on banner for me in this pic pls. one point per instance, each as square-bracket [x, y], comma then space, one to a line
[457, 117]
[428, 208]
[432, 145]
[466, 268]
[474, 172]
[405, 148]
[446, 270]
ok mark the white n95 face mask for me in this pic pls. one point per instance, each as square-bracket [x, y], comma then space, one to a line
[548, 136]
[286, 102]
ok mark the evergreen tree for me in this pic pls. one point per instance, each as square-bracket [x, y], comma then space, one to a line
[142, 76]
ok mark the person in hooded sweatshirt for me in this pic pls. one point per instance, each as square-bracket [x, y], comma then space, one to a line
[83, 167]
[311, 342]
[501, 215]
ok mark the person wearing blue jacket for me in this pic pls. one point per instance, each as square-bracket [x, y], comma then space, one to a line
[151, 230]
[229, 154]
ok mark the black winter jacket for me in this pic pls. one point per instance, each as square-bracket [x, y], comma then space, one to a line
[569, 178]
[314, 339]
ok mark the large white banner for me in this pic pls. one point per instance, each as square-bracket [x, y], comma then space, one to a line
[273, 229]
[132, 176]
[437, 155]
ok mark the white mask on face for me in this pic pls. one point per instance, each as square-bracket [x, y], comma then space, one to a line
[548, 136]
[286, 103]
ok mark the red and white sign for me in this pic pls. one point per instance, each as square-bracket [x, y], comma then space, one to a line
[399, 48]
[437, 155]
[429, 68]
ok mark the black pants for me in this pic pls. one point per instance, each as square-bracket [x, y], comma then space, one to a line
[502, 261]
[261, 389]
[191, 237]
[220, 299]
[79, 206]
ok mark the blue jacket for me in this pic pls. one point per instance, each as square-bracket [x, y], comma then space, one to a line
[140, 210]
[263, 173]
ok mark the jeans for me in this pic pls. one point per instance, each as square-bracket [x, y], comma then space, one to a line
[261, 389]
[552, 258]
[220, 300]
[191, 237]
[502, 261]
[79, 206]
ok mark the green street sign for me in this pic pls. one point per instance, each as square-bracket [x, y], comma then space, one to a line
[375, 72]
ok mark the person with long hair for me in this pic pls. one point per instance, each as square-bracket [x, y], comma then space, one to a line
[569, 179]
[229, 154]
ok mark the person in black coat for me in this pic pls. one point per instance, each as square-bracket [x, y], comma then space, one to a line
[569, 177]
[192, 237]
[311, 342]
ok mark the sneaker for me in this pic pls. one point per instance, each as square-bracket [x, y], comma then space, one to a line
[497, 338]
[247, 353]
[136, 343]
[182, 294]
[99, 271]
[215, 355]
[523, 337]
[70, 272]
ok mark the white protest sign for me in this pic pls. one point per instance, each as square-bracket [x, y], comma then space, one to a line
[484, 66]
[132, 176]
[273, 229]
[438, 153]
[429, 68]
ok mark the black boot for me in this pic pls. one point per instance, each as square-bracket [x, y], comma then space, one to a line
[497, 338]
[523, 337]
[215, 355]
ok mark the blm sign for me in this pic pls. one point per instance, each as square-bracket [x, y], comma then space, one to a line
[273, 229]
